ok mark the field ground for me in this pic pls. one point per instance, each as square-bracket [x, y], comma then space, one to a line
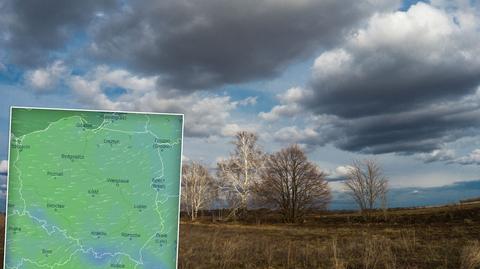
[443, 237]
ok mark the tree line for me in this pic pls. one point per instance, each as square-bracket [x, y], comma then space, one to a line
[285, 181]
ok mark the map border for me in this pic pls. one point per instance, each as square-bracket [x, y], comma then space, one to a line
[93, 110]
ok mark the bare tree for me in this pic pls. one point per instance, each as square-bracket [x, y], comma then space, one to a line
[240, 170]
[292, 184]
[367, 184]
[198, 189]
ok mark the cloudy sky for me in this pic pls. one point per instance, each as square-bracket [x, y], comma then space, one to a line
[395, 80]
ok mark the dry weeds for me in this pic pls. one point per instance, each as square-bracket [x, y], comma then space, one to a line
[338, 247]
[470, 258]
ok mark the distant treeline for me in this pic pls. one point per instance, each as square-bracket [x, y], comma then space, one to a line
[472, 200]
[459, 214]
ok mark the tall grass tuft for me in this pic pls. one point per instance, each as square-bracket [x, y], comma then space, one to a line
[470, 257]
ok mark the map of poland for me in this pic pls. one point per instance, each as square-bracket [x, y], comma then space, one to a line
[93, 189]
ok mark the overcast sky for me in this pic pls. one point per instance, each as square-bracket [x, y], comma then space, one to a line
[395, 80]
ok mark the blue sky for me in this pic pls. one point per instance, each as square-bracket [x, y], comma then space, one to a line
[391, 80]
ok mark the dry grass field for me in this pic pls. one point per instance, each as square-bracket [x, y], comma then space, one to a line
[445, 237]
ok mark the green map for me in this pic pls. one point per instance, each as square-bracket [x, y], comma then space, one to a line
[91, 189]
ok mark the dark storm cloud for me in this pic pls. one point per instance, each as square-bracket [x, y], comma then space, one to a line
[34, 29]
[410, 132]
[197, 44]
[397, 85]
[406, 83]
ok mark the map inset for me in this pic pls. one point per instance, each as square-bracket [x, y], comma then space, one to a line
[90, 189]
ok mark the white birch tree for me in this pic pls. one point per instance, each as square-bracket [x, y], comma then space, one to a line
[198, 188]
[238, 173]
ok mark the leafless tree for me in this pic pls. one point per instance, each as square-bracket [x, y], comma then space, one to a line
[238, 173]
[198, 188]
[292, 184]
[367, 184]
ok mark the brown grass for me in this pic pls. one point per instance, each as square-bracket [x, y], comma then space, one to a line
[470, 258]
[283, 246]
[445, 242]
[446, 237]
